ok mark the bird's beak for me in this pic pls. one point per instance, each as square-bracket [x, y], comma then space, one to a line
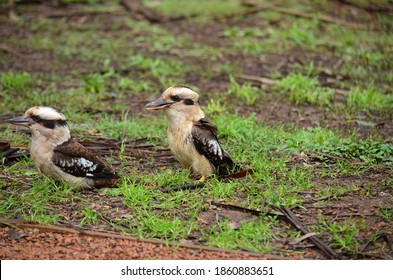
[158, 104]
[21, 121]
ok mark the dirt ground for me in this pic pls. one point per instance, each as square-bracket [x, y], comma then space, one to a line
[70, 242]
[27, 242]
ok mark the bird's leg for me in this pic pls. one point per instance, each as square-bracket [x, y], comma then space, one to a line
[202, 179]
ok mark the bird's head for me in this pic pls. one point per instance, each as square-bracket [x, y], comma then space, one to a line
[178, 100]
[44, 121]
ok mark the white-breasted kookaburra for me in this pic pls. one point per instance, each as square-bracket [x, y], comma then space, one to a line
[57, 155]
[191, 137]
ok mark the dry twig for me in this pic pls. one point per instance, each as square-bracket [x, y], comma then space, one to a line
[304, 237]
[246, 210]
[372, 8]
[272, 82]
[262, 80]
[290, 217]
[70, 14]
[183, 187]
[323, 18]
[287, 215]
[137, 8]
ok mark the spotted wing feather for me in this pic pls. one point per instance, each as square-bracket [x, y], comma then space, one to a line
[73, 158]
[204, 136]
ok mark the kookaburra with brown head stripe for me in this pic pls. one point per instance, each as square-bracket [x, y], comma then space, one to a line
[191, 137]
[57, 155]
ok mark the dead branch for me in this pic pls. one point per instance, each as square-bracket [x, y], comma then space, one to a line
[12, 155]
[31, 2]
[300, 239]
[272, 82]
[137, 8]
[287, 215]
[69, 14]
[247, 210]
[4, 146]
[329, 252]
[9, 152]
[183, 187]
[262, 80]
[339, 62]
[373, 8]
[323, 18]
[340, 91]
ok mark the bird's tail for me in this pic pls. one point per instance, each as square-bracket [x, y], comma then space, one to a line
[105, 175]
[232, 170]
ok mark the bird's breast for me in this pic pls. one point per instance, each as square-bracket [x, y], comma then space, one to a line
[181, 145]
[41, 153]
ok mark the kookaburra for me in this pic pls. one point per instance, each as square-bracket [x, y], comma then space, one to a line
[191, 137]
[57, 155]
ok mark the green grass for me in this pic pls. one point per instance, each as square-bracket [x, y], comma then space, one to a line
[254, 236]
[16, 81]
[245, 93]
[35, 201]
[216, 107]
[366, 151]
[333, 192]
[385, 213]
[305, 90]
[344, 234]
[369, 99]
[194, 7]
[165, 228]
[90, 216]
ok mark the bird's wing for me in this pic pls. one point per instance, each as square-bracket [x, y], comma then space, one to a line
[73, 158]
[204, 136]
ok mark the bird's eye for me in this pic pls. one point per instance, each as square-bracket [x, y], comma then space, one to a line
[175, 98]
[36, 118]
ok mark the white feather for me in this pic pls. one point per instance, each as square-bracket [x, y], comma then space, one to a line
[48, 113]
[215, 148]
